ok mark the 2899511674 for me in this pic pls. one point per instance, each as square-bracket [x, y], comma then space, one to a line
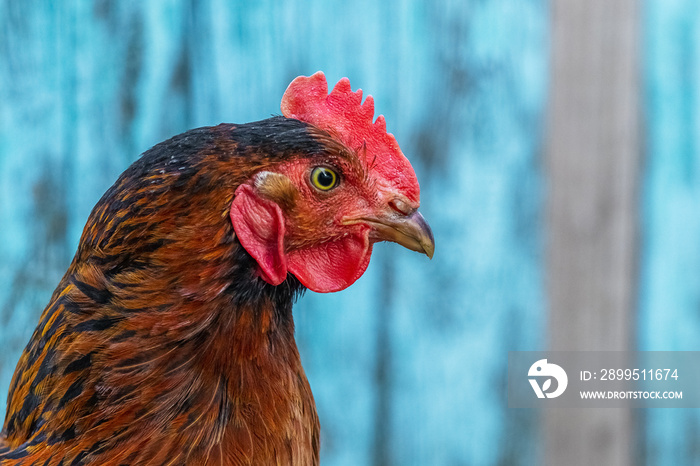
[637, 374]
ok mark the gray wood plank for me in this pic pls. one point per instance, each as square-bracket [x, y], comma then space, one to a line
[593, 158]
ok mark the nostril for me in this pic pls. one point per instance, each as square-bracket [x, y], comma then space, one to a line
[401, 207]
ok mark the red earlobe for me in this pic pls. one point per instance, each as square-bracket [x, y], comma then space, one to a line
[259, 225]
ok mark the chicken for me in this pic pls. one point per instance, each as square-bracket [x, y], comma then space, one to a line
[170, 338]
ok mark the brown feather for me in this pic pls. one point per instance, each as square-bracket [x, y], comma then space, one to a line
[160, 345]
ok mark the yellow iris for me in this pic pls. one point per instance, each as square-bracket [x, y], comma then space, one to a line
[324, 178]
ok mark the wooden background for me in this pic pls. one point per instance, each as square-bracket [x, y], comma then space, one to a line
[556, 145]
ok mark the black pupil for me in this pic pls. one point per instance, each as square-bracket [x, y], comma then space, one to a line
[325, 178]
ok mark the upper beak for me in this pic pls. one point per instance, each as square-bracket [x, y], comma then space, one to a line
[410, 230]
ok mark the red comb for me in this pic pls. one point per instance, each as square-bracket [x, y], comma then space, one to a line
[344, 115]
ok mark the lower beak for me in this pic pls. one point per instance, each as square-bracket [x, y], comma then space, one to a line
[410, 231]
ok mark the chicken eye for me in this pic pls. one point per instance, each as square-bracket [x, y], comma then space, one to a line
[324, 178]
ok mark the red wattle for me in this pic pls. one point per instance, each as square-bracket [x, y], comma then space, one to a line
[332, 266]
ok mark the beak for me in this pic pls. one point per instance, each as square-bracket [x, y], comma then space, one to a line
[410, 230]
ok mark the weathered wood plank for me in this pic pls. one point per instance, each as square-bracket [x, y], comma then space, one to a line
[670, 258]
[593, 161]
[408, 366]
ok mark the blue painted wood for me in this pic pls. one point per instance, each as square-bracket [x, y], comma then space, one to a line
[670, 260]
[408, 365]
